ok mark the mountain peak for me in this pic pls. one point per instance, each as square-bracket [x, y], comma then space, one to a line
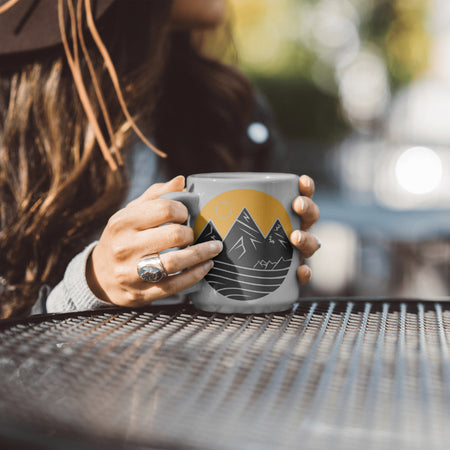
[209, 233]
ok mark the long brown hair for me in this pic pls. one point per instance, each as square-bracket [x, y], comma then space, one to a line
[52, 199]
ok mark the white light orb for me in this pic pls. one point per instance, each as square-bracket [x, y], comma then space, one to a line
[258, 132]
[418, 170]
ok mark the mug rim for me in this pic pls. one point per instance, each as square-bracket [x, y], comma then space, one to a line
[243, 176]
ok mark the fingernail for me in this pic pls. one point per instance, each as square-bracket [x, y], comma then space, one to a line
[299, 204]
[296, 237]
[208, 265]
[309, 272]
[216, 246]
[319, 243]
[306, 180]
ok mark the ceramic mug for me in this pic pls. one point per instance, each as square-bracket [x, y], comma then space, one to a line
[251, 213]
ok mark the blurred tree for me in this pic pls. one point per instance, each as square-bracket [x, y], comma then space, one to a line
[296, 51]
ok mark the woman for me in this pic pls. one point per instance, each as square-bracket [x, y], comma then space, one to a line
[62, 103]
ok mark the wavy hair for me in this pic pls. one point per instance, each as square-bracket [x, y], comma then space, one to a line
[56, 188]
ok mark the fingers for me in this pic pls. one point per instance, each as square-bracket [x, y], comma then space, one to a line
[195, 262]
[176, 283]
[142, 293]
[178, 260]
[307, 243]
[148, 214]
[162, 238]
[174, 185]
[304, 275]
[307, 186]
[149, 211]
[155, 190]
[182, 259]
[307, 210]
[153, 240]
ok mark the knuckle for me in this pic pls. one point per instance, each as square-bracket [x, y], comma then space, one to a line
[120, 250]
[189, 234]
[181, 234]
[115, 222]
[170, 210]
[121, 275]
[200, 271]
[170, 286]
[180, 211]
[161, 209]
[175, 233]
[169, 289]
[133, 297]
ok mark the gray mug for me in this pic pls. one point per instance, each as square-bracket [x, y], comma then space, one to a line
[251, 213]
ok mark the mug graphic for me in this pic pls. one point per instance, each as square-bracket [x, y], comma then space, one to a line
[254, 228]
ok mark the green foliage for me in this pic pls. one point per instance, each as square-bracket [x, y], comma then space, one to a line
[286, 56]
[301, 110]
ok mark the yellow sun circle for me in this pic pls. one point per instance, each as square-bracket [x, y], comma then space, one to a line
[224, 209]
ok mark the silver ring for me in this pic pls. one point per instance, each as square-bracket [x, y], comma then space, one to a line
[150, 269]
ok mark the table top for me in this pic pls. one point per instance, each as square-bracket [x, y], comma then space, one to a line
[330, 373]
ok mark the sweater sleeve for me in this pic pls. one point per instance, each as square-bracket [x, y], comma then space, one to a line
[73, 292]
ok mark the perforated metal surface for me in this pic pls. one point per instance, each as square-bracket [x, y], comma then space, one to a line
[329, 375]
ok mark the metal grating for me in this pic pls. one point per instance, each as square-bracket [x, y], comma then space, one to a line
[341, 374]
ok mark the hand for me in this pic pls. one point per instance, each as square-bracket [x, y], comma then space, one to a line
[135, 232]
[307, 243]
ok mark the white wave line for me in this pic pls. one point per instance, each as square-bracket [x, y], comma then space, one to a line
[215, 268]
[249, 268]
[242, 282]
[245, 290]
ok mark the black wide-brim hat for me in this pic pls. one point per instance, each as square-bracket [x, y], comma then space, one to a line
[32, 25]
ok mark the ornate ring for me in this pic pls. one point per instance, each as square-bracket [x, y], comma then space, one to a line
[151, 269]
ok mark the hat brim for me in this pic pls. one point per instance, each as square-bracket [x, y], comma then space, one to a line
[32, 25]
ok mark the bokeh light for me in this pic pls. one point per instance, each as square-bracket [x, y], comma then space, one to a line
[418, 170]
[364, 89]
[258, 132]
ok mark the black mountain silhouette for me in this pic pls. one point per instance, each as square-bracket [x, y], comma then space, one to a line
[251, 265]
[209, 233]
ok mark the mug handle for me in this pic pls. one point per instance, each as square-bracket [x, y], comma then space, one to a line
[191, 200]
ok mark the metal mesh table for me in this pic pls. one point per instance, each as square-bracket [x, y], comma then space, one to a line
[328, 374]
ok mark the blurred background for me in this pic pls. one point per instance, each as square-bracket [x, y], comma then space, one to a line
[360, 92]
